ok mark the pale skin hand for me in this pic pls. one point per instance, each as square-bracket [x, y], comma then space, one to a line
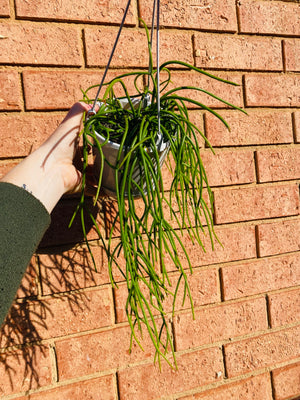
[48, 172]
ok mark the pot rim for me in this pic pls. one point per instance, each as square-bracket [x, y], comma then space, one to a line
[160, 143]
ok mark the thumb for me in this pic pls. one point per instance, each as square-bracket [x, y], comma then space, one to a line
[74, 116]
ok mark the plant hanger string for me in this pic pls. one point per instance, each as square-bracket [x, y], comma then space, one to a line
[157, 5]
[156, 12]
[92, 111]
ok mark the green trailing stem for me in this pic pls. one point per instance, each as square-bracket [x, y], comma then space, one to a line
[151, 239]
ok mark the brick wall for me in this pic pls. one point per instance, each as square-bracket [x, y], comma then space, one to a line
[67, 337]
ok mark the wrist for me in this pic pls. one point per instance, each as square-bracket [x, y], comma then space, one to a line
[43, 181]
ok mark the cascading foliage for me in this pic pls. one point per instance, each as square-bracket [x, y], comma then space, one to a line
[151, 235]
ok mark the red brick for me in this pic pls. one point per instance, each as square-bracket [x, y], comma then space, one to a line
[4, 8]
[94, 389]
[242, 53]
[111, 212]
[262, 351]
[6, 166]
[272, 90]
[24, 370]
[258, 127]
[230, 93]
[194, 370]
[203, 286]
[255, 388]
[12, 332]
[29, 284]
[291, 55]
[59, 233]
[284, 308]
[278, 165]
[223, 322]
[132, 49]
[10, 89]
[77, 312]
[229, 167]
[87, 11]
[271, 17]
[29, 132]
[216, 15]
[296, 117]
[60, 89]
[72, 270]
[196, 117]
[278, 237]
[40, 44]
[237, 244]
[260, 276]
[171, 214]
[189, 211]
[286, 382]
[93, 353]
[256, 203]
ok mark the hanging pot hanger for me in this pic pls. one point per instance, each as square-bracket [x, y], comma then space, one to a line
[155, 18]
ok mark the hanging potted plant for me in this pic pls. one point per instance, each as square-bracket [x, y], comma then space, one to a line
[131, 137]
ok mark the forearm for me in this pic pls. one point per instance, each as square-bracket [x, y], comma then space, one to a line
[28, 194]
[33, 175]
[24, 221]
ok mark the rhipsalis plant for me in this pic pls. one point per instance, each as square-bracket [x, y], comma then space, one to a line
[150, 236]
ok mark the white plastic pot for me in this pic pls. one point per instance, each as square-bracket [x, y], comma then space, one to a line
[111, 150]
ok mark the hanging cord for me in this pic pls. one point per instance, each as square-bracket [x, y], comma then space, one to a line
[92, 111]
[151, 39]
[156, 10]
[158, 68]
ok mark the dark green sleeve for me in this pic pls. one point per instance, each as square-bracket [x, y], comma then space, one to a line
[23, 222]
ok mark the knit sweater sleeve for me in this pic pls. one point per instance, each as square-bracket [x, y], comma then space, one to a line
[23, 222]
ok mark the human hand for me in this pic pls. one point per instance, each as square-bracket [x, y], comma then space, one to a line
[62, 146]
[49, 172]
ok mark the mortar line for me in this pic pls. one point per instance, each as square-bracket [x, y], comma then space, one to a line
[83, 48]
[224, 362]
[53, 358]
[221, 283]
[272, 385]
[117, 385]
[13, 9]
[294, 127]
[268, 310]
[256, 167]
[22, 92]
[193, 40]
[238, 18]
[256, 231]
[283, 55]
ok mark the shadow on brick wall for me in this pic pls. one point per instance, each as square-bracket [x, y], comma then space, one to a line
[59, 233]
[49, 301]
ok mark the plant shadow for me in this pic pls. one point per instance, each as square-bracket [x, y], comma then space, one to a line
[50, 290]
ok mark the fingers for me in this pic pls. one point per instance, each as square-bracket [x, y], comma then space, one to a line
[78, 109]
[70, 127]
[77, 183]
[90, 188]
